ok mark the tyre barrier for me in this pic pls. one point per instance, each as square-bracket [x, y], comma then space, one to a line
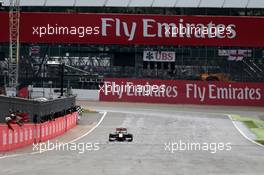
[28, 134]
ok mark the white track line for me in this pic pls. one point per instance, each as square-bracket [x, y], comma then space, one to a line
[74, 140]
[241, 132]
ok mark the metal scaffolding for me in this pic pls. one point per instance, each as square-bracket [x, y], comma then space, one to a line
[14, 16]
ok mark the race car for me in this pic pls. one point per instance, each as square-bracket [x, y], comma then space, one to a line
[120, 135]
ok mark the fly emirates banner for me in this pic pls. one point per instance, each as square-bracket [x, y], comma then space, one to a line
[41, 27]
[182, 92]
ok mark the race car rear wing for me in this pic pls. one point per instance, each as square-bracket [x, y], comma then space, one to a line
[121, 129]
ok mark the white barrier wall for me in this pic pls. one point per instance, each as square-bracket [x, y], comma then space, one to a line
[82, 94]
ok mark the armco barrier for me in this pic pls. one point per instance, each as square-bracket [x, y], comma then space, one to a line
[19, 137]
[34, 133]
[71, 120]
[3, 138]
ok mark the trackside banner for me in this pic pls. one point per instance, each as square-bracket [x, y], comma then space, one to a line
[183, 92]
[40, 27]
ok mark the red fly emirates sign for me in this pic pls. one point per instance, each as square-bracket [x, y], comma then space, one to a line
[137, 29]
[182, 92]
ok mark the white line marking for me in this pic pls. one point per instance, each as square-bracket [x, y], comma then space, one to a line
[91, 130]
[244, 135]
[74, 140]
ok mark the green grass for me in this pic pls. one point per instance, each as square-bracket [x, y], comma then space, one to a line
[250, 124]
[260, 141]
[259, 132]
[255, 125]
[89, 111]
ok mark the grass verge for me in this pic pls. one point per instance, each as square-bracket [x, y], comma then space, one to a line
[89, 111]
[255, 125]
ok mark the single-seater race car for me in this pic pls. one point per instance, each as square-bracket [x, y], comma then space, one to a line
[120, 135]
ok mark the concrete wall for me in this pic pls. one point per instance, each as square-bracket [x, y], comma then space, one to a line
[81, 94]
[33, 107]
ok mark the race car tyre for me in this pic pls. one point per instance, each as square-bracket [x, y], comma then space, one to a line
[130, 138]
[111, 138]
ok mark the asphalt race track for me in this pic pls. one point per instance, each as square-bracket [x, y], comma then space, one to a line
[153, 130]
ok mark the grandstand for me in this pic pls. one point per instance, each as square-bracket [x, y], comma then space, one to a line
[241, 62]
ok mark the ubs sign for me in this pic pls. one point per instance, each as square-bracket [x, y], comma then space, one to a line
[159, 56]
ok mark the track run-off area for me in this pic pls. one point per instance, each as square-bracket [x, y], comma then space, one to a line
[168, 139]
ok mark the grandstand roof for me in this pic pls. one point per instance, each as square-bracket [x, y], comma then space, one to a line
[145, 3]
